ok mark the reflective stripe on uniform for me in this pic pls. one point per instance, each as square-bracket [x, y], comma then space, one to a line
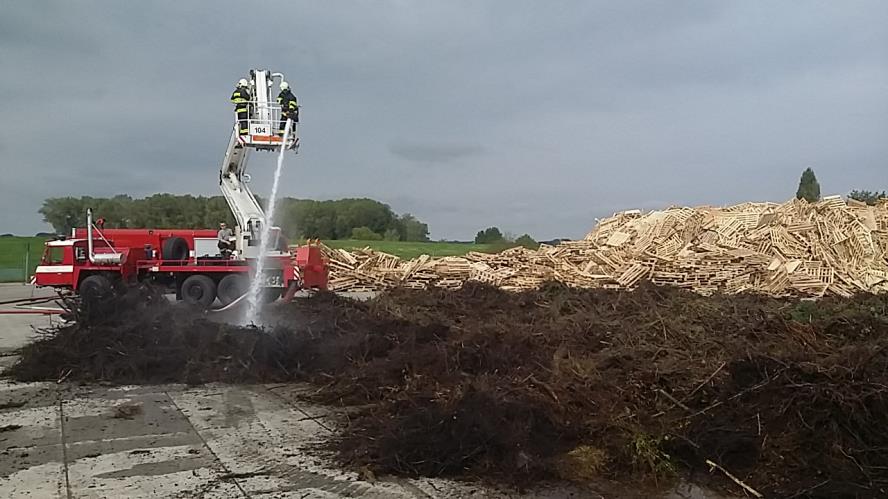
[239, 97]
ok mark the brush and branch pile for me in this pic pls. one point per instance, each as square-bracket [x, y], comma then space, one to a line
[786, 395]
[831, 247]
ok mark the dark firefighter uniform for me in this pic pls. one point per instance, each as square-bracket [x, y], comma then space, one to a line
[241, 100]
[289, 108]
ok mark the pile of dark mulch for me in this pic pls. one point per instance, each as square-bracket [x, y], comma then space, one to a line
[142, 338]
[790, 396]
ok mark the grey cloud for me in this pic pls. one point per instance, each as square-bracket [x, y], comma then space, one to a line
[434, 152]
[49, 32]
[554, 114]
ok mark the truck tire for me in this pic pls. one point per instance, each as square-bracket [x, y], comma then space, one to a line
[95, 287]
[174, 248]
[198, 290]
[232, 287]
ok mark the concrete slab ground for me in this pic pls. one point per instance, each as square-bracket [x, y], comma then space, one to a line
[17, 329]
[61, 440]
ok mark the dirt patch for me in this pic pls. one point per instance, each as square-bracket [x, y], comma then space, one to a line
[790, 396]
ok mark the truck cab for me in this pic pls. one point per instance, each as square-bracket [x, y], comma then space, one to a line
[56, 267]
[67, 263]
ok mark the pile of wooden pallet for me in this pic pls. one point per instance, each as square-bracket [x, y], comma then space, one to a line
[813, 249]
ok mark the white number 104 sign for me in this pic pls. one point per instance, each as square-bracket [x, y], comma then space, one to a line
[259, 130]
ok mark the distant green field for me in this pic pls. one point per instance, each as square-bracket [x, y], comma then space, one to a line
[12, 256]
[409, 250]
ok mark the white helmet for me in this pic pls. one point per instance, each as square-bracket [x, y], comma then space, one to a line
[284, 85]
[242, 82]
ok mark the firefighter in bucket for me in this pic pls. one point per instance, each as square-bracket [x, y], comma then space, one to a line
[241, 99]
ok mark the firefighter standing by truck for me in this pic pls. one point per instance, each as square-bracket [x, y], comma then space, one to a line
[241, 99]
[224, 240]
[289, 106]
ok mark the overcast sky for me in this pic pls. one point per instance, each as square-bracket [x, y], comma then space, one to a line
[536, 116]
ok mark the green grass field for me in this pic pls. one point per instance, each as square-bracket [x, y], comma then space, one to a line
[409, 250]
[12, 256]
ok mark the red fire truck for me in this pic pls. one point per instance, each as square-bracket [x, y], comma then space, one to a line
[95, 260]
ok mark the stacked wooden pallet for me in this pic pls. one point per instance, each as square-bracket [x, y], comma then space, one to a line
[813, 249]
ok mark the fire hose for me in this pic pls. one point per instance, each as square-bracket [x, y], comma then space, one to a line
[230, 305]
[36, 312]
[288, 296]
[32, 301]
[28, 304]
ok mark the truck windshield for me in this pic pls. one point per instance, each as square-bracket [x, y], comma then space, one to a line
[54, 254]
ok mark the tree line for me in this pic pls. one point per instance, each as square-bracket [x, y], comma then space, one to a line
[809, 190]
[494, 236]
[352, 218]
[299, 218]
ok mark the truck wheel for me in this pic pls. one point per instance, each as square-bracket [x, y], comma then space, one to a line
[232, 287]
[95, 287]
[174, 248]
[198, 290]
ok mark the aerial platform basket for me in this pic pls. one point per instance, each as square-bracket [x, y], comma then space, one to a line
[266, 133]
[264, 120]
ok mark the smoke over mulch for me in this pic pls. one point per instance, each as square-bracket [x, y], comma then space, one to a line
[789, 396]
